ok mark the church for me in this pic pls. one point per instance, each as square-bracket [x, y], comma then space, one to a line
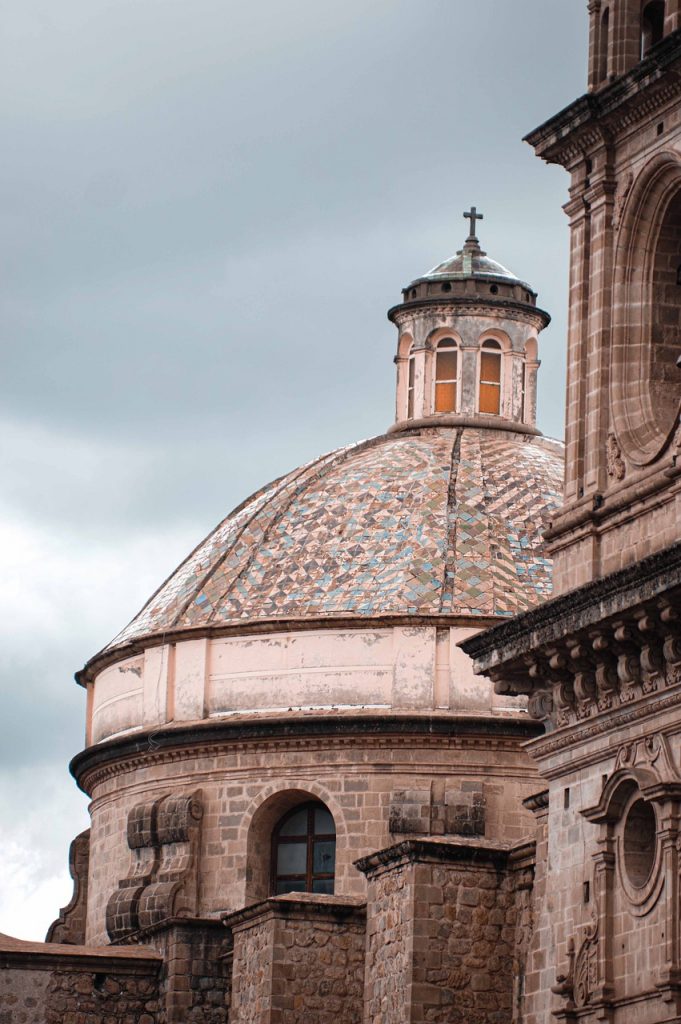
[400, 741]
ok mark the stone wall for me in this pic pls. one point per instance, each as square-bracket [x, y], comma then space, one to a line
[441, 931]
[195, 985]
[53, 983]
[298, 958]
[78, 997]
[357, 767]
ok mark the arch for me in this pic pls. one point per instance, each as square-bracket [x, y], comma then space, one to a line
[404, 345]
[496, 334]
[618, 792]
[446, 375]
[260, 820]
[489, 376]
[531, 349]
[652, 24]
[644, 343]
[438, 333]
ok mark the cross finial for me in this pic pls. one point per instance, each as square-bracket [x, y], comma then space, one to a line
[473, 216]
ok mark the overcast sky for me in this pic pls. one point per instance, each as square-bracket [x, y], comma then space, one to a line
[207, 208]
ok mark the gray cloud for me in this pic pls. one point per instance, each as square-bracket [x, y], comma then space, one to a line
[208, 209]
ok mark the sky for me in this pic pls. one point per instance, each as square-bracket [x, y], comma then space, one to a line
[207, 208]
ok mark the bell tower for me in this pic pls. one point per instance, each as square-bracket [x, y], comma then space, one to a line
[622, 32]
[621, 144]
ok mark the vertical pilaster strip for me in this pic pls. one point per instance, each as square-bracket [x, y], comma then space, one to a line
[601, 201]
[595, 43]
[578, 212]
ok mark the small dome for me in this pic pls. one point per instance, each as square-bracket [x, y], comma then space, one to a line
[473, 264]
[436, 522]
[469, 263]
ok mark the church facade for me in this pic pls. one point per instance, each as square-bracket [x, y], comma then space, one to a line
[400, 741]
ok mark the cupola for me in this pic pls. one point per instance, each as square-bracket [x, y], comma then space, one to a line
[467, 346]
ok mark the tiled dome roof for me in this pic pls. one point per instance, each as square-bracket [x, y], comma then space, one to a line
[442, 521]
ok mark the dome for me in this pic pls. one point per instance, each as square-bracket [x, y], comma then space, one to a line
[437, 522]
[470, 275]
[473, 264]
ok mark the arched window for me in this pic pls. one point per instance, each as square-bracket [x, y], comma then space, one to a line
[490, 377]
[446, 365]
[410, 385]
[604, 44]
[304, 851]
[652, 25]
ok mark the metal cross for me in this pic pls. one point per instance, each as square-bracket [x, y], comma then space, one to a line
[473, 216]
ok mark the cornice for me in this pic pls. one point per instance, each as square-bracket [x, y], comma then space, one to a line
[475, 422]
[478, 852]
[614, 645]
[169, 744]
[538, 802]
[58, 956]
[258, 627]
[300, 906]
[587, 605]
[510, 309]
[627, 101]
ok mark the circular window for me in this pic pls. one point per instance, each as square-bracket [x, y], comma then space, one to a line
[446, 287]
[494, 289]
[639, 842]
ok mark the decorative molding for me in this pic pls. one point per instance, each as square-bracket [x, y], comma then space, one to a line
[554, 743]
[163, 836]
[110, 759]
[509, 309]
[597, 668]
[651, 753]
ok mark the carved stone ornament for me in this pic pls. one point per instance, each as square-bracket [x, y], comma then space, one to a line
[651, 753]
[598, 668]
[163, 837]
[578, 985]
[614, 461]
[621, 196]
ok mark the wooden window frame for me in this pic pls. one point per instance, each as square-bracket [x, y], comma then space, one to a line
[310, 837]
[447, 344]
[411, 385]
[494, 348]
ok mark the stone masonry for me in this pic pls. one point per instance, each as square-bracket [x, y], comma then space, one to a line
[52, 983]
[298, 957]
[441, 933]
